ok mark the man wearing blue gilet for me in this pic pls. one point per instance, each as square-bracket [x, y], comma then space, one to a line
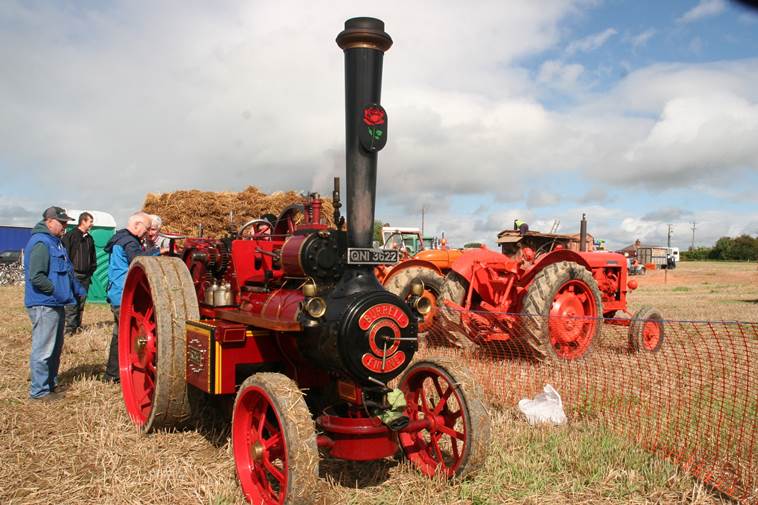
[50, 285]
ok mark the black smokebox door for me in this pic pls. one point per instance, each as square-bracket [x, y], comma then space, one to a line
[372, 129]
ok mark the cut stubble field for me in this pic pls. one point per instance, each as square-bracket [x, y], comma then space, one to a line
[83, 449]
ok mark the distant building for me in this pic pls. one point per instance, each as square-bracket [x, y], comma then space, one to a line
[647, 254]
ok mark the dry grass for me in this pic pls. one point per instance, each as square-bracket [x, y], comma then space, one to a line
[84, 450]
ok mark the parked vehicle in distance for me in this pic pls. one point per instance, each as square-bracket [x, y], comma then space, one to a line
[10, 257]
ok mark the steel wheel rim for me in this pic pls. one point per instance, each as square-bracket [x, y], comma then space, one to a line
[260, 450]
[449, 422]
[651, 334]
[572, 319]
[138, 350]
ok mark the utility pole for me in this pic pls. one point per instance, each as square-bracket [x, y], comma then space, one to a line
[422, 223]
[692, 246]
[668, 252]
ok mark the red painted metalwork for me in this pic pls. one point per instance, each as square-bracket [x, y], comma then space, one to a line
[358, 438]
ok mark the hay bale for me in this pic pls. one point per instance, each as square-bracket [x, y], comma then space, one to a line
[183, 211]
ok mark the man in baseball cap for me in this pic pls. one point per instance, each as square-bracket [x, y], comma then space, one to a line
[50, 285]
[56, 213]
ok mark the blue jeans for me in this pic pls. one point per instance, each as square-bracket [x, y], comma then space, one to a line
[47, 344]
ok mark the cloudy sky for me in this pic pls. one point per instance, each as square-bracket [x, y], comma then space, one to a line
[638, 113]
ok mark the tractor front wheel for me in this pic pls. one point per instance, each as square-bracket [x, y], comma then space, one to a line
[273, 441]
[646, 330]
[561, 312]
[456, 443]
[159, 296]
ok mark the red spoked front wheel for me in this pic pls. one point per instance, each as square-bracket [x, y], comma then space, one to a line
[158, 298]
[456, 441]
[646, 330]
[273, 440]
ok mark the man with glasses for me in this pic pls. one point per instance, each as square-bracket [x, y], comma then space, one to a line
[50, 284]
[155, 243]
[123, 247]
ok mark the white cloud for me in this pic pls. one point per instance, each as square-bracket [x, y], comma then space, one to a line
[642, 38]
[591, 42]
[706, 8]
[557, 73]
[155, 97]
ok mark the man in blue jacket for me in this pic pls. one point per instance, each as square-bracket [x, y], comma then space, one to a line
[123, 247]
[50, 285]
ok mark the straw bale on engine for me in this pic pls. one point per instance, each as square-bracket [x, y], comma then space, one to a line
[183, 211]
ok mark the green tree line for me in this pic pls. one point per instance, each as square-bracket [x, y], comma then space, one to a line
[742, 248]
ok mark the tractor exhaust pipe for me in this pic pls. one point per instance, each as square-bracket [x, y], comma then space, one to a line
[364, 42]
[583, 233]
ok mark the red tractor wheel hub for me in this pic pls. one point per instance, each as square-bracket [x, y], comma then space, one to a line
[651, 335]
[573, 319]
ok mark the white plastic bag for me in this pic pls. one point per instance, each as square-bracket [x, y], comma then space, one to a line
[546, 407]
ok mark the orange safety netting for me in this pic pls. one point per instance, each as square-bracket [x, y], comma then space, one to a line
[693, 401]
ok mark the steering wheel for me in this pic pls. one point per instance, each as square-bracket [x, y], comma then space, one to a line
[257, 225]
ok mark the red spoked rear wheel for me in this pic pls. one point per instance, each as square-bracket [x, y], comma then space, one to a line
[273, 440]
[456, 443]
[158, 298]
[561, 312]
[573, 319]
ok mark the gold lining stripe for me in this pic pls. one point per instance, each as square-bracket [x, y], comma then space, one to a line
[217, 386]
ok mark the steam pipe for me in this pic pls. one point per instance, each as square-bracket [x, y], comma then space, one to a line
[364, 42]
[583, 233]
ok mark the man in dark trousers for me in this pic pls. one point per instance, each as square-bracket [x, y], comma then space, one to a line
[50, 285]
[520, 226]
[81, 250]
[123, 247]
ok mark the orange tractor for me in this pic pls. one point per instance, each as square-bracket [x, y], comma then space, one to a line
[551, 301]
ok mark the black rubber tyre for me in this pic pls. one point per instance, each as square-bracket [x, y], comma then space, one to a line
[539, 304]
[646, 330]
[454, 289]
[274, 441]
[159, 297]
[462, 410]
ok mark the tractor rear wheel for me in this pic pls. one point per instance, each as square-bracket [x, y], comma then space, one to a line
[646, 330]
[456, 445]
[400, 284]
[561, 312]
[273, 441]
[454, 290]
[159, 297]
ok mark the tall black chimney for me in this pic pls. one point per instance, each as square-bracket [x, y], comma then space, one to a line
[364, 42]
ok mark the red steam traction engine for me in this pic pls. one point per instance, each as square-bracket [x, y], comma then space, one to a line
[300, 331]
